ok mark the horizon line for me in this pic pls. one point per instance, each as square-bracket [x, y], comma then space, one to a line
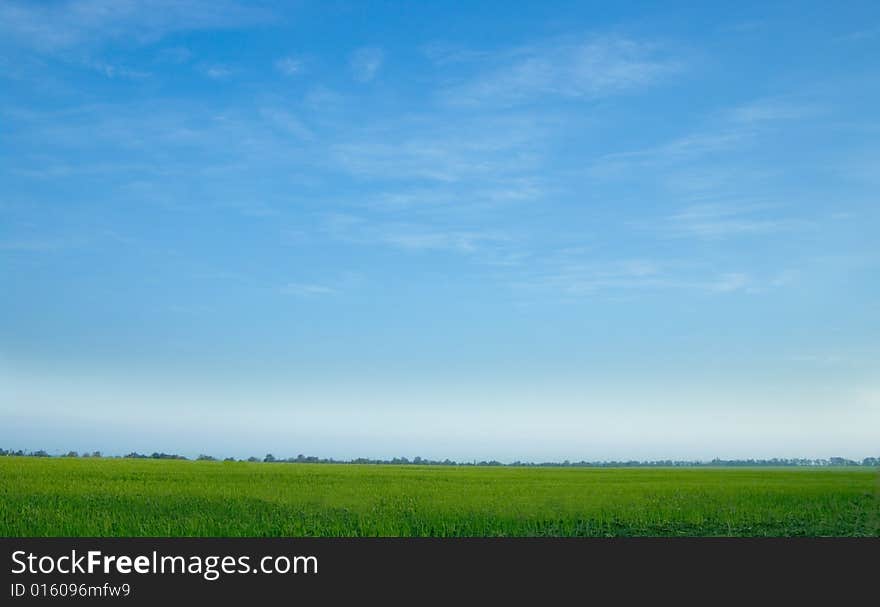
[793, 462]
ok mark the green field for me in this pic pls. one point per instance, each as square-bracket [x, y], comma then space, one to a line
[118, 497]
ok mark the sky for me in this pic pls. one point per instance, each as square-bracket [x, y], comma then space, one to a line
[542, 231]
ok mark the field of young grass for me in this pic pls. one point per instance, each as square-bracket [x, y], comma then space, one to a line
[120, 497]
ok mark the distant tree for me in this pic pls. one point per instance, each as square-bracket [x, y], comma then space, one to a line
[842, 461]
[206, 458]
[164, 455]
[311, 459]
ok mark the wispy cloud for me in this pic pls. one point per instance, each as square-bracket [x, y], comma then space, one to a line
[290, 66]
[34, 245]
[366, 62]
[861, 35]
[836, 356]
[568, 274]
[688, 147]
[287, 122]
[322, 98]
[112, 70]
[726, 132]
[216, 71]
[207, 137]
[772, 110]
[445, 149]
[50, 26]
[443, 54]
[420, 238]
[573, 277]
[410, 236]
[490, 193]
[717, 221]
[301, 289]
[591, 68]
[731, 281]
[441, 160]
[174, 55]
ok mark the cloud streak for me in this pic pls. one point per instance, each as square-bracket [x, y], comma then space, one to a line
[63, 25]
[290, 66]
[570, 275]
[411, 236]
[587, 69]
[366, 62]
[300, 289]
[718, 221]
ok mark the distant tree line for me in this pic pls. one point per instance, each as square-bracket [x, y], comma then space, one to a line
[419, 461]
[136, 455]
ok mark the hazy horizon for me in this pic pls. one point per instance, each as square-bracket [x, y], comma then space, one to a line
[570, 231]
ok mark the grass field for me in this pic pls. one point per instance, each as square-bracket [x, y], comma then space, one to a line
[112, 497]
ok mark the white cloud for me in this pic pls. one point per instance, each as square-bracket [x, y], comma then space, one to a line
[175, 55]
[572, 276]
[728, 131]
[288, 123]
[447, 150]
[686, 148]
[716, 221]
[290, 66]
[216, 71]
[366, 62]
[69, 23]
[34, 245]
[729, 282]
[419, 238]
[113, 71]
[411, 236]
[593, 68]
[441, 160]
[446, 54]
[771, 110]
[572, 273]
[302, 289]
[861, 35]
[321, 98]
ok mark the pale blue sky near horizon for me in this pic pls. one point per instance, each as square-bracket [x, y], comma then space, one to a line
[571, 230]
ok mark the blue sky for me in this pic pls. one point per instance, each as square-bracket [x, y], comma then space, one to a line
[570, 230]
